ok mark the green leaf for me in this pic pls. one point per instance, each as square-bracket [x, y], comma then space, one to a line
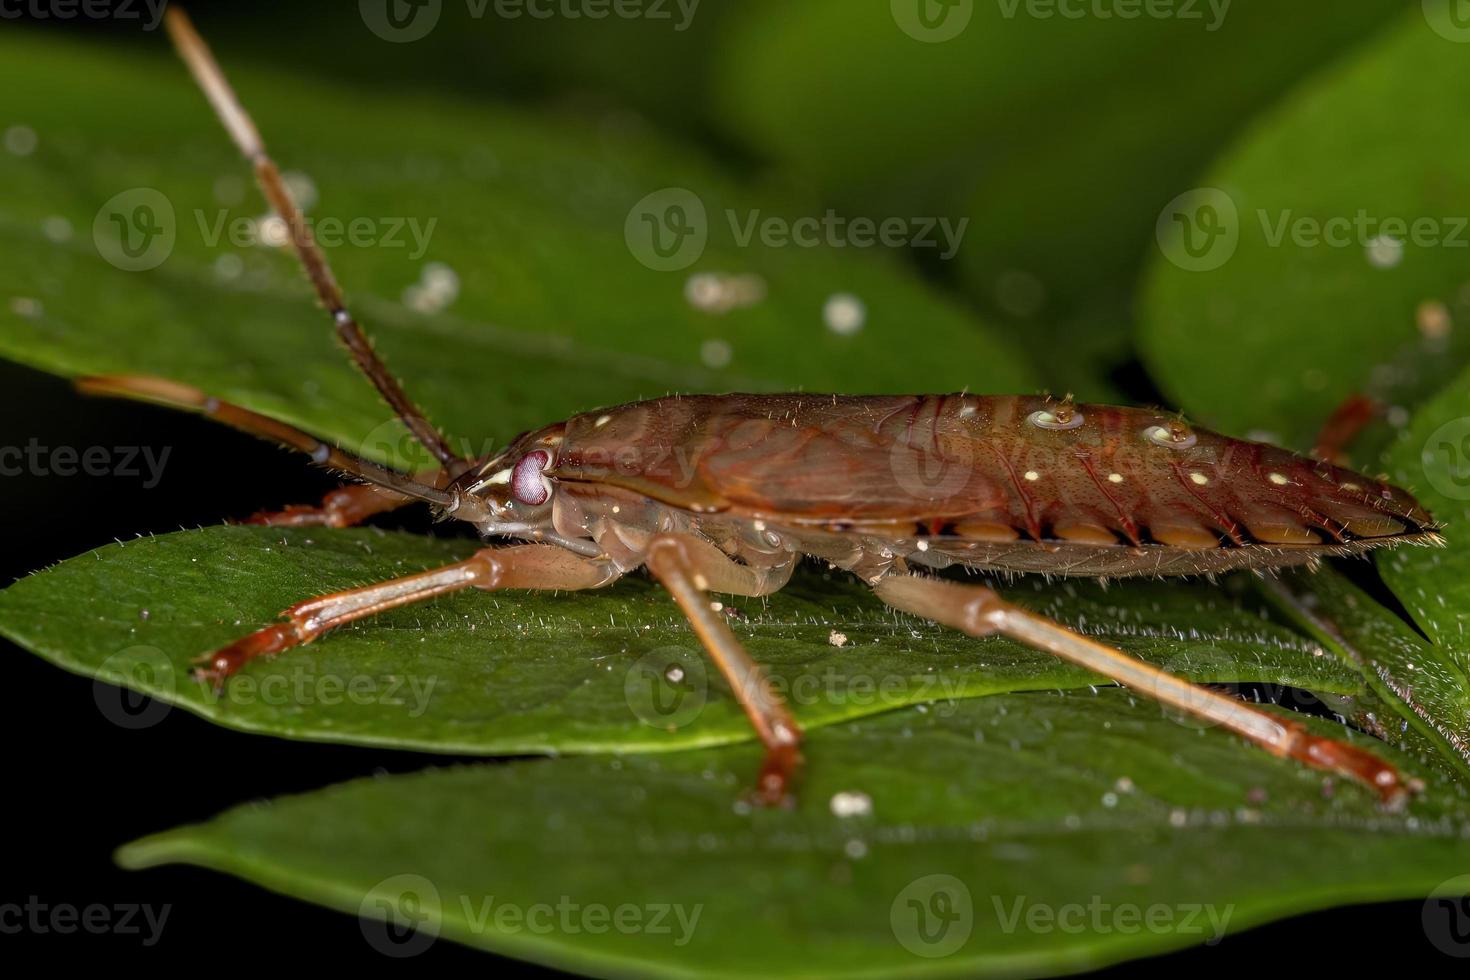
[1424, 686]
[531, 672]
[1434, 585]
[556, 312]
[1295, 284]
[1299, 285]
[1053, 824]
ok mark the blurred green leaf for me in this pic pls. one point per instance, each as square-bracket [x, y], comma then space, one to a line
[1059, 131]
[1297, 298]
[532, 672]
[656, 61]
[1021, 834]
[540, 221]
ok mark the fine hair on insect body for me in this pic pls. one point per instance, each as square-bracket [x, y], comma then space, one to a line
[724, 494]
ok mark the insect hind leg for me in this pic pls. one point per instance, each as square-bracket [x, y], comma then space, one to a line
[979, 611]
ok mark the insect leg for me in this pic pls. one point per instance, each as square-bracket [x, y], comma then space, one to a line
[689, 568]
[241, 127]
[979, 611]
[1343, 426]
[530, 566]
[172, 394]
[343, 507]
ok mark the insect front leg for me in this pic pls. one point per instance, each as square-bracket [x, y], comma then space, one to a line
[979, 611]
[690, 568]
[531, 566]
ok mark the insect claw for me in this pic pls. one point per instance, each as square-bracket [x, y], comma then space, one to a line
[213, 678]
[227, 661]
[773, 787]
[292, 515]
[1393, 789]
[770, 798]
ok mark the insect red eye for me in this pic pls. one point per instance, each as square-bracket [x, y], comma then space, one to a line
[526, 481]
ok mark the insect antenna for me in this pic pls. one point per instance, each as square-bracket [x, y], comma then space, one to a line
[241, 127]
[160, 391]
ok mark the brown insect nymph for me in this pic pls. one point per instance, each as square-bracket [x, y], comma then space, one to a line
[725, 493]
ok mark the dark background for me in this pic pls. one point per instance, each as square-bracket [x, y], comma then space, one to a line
[80, 784]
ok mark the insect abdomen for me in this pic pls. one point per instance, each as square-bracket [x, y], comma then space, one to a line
[1015, 474]
[1135, 477]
